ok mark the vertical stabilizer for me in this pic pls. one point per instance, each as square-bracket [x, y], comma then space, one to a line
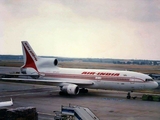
[29, 56]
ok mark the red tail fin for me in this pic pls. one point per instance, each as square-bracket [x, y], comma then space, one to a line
[29, 56]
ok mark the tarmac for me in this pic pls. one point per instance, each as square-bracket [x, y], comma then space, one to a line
[106, 104]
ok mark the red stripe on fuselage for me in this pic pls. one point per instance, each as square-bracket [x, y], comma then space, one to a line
[29, 60]
[91, 77]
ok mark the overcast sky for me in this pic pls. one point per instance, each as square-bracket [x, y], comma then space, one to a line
[127, 29]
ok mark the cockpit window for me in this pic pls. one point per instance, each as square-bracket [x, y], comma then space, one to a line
[148, 80]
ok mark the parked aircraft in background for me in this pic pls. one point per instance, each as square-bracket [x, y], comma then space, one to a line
[73, 81]
[6, 103]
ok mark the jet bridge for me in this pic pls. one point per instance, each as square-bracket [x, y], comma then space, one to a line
[78, 113]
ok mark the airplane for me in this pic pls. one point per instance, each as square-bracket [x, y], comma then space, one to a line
[73, 81]
[6, 103]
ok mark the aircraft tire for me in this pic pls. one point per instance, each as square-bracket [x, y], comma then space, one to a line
[128, 97]
[83, 90]
[62, 93]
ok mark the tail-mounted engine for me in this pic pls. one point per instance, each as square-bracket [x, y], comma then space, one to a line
[47, 63]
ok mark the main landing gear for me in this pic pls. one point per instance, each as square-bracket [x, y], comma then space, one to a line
[129, 95]
[83, 90]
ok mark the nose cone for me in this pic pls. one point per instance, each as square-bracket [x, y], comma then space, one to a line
[151, 85]
[155, 85]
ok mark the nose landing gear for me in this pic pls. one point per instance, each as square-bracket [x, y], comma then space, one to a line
[128, 95]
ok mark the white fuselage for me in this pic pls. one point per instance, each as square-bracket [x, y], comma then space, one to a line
[101, 79]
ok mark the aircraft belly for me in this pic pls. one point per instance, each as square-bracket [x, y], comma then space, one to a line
[111, 85]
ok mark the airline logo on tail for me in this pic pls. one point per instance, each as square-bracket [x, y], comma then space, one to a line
[30, 51]
[29, 56]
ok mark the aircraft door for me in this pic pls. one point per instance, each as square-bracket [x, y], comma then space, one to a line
[99, 81]
[132, 82]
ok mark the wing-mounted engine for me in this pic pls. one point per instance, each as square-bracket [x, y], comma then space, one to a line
[47, 63]
[70, 89]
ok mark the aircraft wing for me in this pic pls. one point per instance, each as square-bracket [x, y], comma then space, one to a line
[8, 75]
[53, 82]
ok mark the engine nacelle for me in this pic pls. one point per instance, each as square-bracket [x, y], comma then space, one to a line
[70, 89]
[47, 62]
